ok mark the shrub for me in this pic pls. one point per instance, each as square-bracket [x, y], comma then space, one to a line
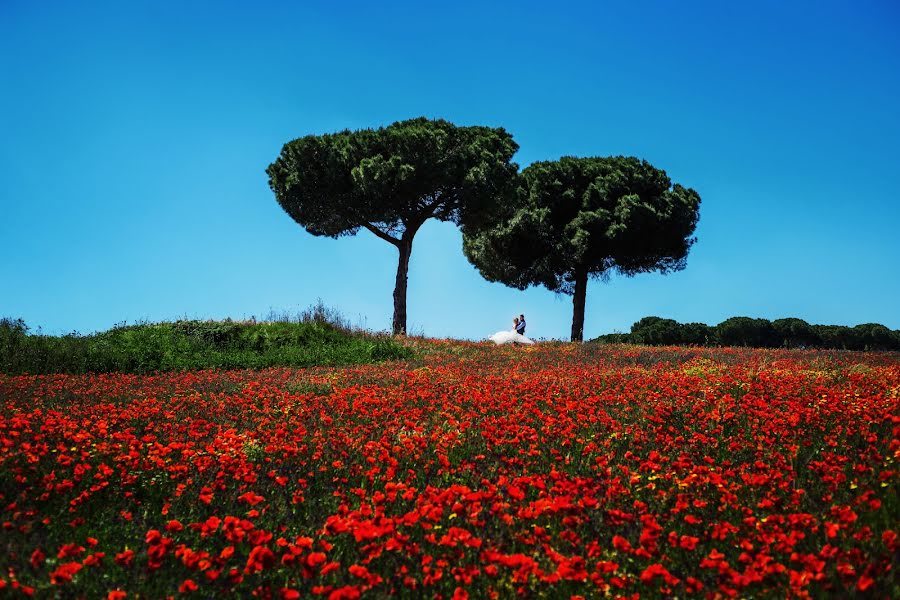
[872, 336]
[614, 338]
[697, 334]
[744, 331]
[838, 337]
[656, 331]
[760, 333]
[795, 333]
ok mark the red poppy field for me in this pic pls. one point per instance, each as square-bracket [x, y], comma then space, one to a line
[475, 471]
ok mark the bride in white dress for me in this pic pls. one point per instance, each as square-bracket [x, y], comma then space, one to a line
[510, 337]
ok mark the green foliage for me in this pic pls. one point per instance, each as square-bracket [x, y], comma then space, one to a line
[873, 336]
[614, 338]
[13, 337]
[796, 333]
[834, 336]
[867, 336]
[656, 331]
[185, 345]
[391, 177]
[696, 334]
[759, 333]
[587, 214]
[577, 218]
[744, 331]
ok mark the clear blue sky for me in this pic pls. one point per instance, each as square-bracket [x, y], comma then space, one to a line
[134, 138]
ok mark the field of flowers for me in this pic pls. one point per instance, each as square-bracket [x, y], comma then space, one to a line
[473, 471]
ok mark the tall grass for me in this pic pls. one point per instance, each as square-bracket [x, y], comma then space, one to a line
[318, 336]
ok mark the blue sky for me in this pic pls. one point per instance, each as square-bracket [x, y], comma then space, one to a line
[134, 138]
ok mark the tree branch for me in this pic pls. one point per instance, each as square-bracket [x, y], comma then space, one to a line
[381, 234]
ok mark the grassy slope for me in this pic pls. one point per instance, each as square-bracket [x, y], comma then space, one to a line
[185, 345]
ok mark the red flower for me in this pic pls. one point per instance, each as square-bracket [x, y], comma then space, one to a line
[69, 551]
[515, 492]
[621, 544]
[174, 526]
[125, 558]
[348, 592]
[260, 558]
[314, 559]
[153, 537]
[688, 542]
[251, 498]
[657, 570]
[37, 558]
[64, 572]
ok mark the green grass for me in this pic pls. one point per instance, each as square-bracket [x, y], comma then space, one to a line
[187, 345]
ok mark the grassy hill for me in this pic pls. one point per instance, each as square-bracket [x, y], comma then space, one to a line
[186, 345]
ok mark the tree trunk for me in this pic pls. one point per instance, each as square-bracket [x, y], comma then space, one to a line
[578, 300]
[405, 248]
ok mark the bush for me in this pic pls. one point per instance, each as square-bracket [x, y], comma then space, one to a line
[744, 331]
[13, 335]
[795, 333]
[872, 336]
[759, 333]
[614, 338]
[697, 334]
[839, 337]
[656, 331]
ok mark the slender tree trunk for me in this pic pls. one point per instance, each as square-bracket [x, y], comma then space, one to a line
[405, 248]
[578, 301]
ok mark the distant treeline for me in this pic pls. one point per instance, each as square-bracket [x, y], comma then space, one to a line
[187, 345]
[758, 333]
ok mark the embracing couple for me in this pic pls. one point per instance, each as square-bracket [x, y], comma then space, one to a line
[516, 336]
[519, 324]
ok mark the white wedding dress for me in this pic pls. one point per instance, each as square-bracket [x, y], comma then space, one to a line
[509, 337]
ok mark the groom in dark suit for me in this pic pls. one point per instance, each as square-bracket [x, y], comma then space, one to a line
[520, 328]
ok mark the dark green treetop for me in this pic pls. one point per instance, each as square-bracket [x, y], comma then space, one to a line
[391, 180]
[576, 218]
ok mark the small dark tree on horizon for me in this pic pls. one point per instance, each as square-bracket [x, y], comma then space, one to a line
[795, 333]
[578, 218]
[391, 180]
[747, 331]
